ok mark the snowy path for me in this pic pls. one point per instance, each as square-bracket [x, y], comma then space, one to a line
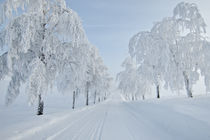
[177, 119]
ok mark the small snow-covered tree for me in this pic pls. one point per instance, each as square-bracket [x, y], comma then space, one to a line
[72, 75]
[125, 78]
[105, 83]
[99, 80]
[130, 81]
[150, 53]
[205, 65]
[97, 77]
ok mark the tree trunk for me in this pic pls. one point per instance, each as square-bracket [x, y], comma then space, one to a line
[87, 93]
[99, 100]
[105, 96]
[87, 96]
[40, 106]
[187, 85]
[143, 97]
[132, 98]
[74, 98]
[158, 91]
[95, 97]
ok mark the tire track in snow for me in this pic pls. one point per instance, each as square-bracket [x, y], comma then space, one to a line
[125, 124]
[36, 129]
[87, 124]
[167, 129]
[90, 126]
[40, 128]
[143, 121]
[87, 127]
[67, 127]
[97, 135]
[95, 129]
[102, 126]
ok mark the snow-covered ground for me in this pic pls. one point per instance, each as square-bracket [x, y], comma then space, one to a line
[115, 119]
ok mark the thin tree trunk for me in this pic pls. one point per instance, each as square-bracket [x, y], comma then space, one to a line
[132, 98]
[40, 106]
[95, 97]
[143, 97]
[74, 98]
[187, 85]
[158, 91]
[87, 96]
[105, 96]
[99, 100]
[87, 93]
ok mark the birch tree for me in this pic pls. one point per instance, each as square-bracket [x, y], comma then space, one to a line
[36, 36]
[185, 45]
[132, 84]
[173, 50]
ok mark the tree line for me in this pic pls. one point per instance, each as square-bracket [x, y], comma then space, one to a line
[47, 47]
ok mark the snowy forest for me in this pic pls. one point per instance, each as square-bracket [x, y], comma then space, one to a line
[57, 81]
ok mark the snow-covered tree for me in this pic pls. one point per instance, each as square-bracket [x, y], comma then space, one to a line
[130, 81]
[185, 45]
[36, 36]
[73, 75]
[97, 78]
[175, 50]
[47, 47]
[150, 52]
[205, 65]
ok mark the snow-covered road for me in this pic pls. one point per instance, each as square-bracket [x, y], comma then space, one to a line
[177, 119]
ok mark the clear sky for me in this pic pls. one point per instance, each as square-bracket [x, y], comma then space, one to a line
[110, 24]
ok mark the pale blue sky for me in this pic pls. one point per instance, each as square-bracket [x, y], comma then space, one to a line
[110, 24]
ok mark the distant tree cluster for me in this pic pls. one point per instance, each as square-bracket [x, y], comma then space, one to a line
[175, 52]
[47, 46]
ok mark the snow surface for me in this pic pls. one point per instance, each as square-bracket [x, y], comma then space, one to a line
[115, 119]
